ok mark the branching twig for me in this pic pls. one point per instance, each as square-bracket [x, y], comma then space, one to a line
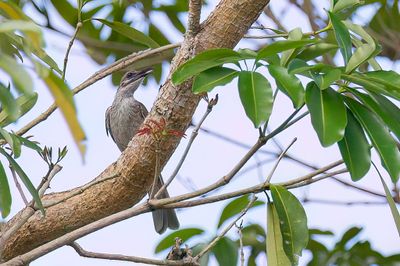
[71, 42]
[116, 66]
[47, 179]
[226, 230]
[118, 257]
[268, 179]
[194, 17]
[195, 132]
[173, 202]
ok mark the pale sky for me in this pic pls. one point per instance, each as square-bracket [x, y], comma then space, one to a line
[209, 159]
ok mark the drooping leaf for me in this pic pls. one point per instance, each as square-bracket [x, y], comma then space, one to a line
[342, 36]
[20, 77]
[328, 113]
[184, 234]
[385, 109]
[226, 251]
[22, 25]
[280, 46]
[236, 206]
[292, 221]
[275, 253]
[25, 180]
[213, 77]
[288, 84]
[64, 100]
[5, 195]
[131, 33]
[385, 82]
[30, 144]
[203, 61]
[355, 149]
[379, 136]
[8, 103]
[256, 96]
[24, 103]
[392, 205]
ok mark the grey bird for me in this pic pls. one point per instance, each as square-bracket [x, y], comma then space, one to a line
[123, 119]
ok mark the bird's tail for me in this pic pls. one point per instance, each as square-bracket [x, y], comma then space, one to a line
[163, 218]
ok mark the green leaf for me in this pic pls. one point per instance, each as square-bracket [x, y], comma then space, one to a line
[131, 33]
[328, 113]
[256, 96]
[235, 207]
[226, 251]
[324, 80]
[196, 249]
[288, 84]
[361, 54]
[21, 25]
[24, 103]
[292, 221]
[207, 80]
[30, 144]
[379, 136]
[5, 195]
[20, 77]
[385, 109]
[275, 254]
[203, 61]
[280, 46]
[24, 178]
[385, 82]
[184, 234]
[392, 205]
[7, 137]
[16, 148]
[64, 100]
[295, 35]
[8, 103]
[355, 149]
[316, 50]
[347, 236]
[343, 4]
[342, 37]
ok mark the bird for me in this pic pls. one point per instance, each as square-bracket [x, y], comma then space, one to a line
[122, 121]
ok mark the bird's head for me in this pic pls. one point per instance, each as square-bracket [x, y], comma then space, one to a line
[132, 80]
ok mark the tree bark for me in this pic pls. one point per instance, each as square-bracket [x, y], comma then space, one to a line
[128, 179]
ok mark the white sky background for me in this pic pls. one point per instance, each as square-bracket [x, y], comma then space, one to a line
[209, 159]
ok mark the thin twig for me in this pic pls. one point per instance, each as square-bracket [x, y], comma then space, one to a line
[18, 185]
[47, 179]
[173, 202]
[194, 17]
[118, 257]
[195, 132]
[241, 252]
[71, 42]
[226, 230]
[268, 179]
[116, 66]
[345, 203]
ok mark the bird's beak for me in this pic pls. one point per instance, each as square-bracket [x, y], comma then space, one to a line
[144, 72]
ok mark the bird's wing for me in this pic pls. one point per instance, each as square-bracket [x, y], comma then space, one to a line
[143, 110]
[108, 126]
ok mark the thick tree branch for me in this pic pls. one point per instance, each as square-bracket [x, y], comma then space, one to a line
[134, 170]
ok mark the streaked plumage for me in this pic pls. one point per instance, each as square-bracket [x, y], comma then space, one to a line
[123, 119]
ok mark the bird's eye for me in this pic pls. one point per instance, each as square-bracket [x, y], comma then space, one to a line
[130, 75]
